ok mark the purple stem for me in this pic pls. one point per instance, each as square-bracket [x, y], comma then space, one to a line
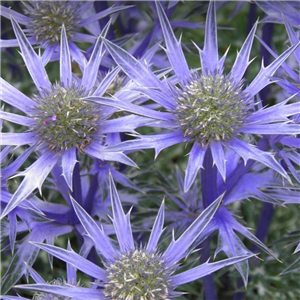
[77, 192]
[90, 197]
[208, 180]
[252, 16]
[6, 35]
[209, 194]
[264, 223]
[100, 6]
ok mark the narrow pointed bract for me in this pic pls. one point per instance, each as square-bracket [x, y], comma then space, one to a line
[131, 261]
[61, 121]
[91, 88]
[44, 21]
[210, 109]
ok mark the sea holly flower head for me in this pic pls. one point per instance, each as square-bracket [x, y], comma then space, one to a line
[145, 275]
[45, 296]
[211, 108]
[60, 118]
[130, 271]
[46, 19]
[63, 120]
[43, 21]
[185, 207]
[208, 108]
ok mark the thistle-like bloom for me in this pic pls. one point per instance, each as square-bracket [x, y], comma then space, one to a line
[130, 271]
[44, 20]
[211, 109]
[186, 207]
[60, 122]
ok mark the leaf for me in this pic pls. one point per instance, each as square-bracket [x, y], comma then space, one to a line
[35, 175]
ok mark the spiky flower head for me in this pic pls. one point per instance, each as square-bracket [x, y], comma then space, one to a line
[46, 296]
[48, 17]
[132, 272]
[211, 107]
[213, 111]
[61, 118]
[138, 275]
[64, 120]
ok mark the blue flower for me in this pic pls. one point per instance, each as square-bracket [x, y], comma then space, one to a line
[131, 271]
[61, 121]
[211, 109]
[186, 206]
[44, 20]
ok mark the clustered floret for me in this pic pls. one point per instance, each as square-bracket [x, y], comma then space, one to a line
[212, 108]
[138, 275]
[64, 120]
[46, 296]
[48, 17]
[239, 147]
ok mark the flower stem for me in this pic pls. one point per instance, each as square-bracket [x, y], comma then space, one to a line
[208, 180]
[209, 194]
[264, 223]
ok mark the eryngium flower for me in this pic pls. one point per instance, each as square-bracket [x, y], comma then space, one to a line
[211, 109]
[131, 271]
[43, 296]
[44, 20]
[60, 122]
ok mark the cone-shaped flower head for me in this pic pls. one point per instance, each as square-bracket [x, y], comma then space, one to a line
[60, 118]
[208, 108]
[43, 21]
[132, 272]
[211, 108]
[46, 296]
[138, 273]
[63, 120]
[46, 19]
